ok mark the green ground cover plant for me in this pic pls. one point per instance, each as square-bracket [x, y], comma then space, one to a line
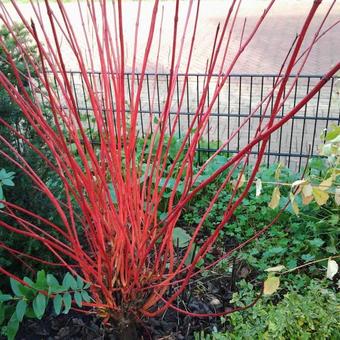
[311, 312]
[303, 303]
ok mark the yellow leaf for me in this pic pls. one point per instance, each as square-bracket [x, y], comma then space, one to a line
[307, 200]
[276, 268]
[320, 196]
[337, 196]
[278, 172]
[300, 322]
[271, 285]
[258, 187]
[239, 182]
[299, 182]
[325, 185]
[295, 208]
[275, 198]
[307, 190]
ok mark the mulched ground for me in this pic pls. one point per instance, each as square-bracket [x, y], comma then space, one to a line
[208, 294]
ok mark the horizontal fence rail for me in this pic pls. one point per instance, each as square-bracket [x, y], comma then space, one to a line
[291, 145]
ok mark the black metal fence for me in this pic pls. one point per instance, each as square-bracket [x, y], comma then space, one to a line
[291, 144]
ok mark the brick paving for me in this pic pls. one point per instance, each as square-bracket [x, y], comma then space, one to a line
[263, 56]
[265, 53]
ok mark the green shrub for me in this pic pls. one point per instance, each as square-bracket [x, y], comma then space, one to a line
[24, 193]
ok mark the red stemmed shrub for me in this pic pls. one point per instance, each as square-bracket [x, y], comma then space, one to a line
[109, 230]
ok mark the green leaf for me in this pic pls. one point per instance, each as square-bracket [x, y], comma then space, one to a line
[28, 292]
[78, 298]
[80, 282]
[1, 193]
[169, 185]
[316, 242]
[52, 281]
[307, 257]
[86, 296]
[57, 303]
[67, 302]
[332, 133]
[69, 282]
[181, 237]
[21, 309]
[163, 216]
[87, 285]
[112, 193]
[15, 285]
[41, 282]
[5, 297]
[39, 305]
[292, 263]
[8, 182]
[28, 281]
[12, 327]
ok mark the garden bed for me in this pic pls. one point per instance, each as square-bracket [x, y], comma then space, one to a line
[139, 208]
[293, 241]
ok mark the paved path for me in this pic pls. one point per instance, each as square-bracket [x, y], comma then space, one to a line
[264, 55]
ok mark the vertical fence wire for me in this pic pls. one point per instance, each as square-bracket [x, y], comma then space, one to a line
[242, 93]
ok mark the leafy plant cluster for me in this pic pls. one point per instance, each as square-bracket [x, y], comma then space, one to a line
[302, 306]
[303, 233]
[321, 180]
[308, 313]
[31, 298]
[294, 238]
